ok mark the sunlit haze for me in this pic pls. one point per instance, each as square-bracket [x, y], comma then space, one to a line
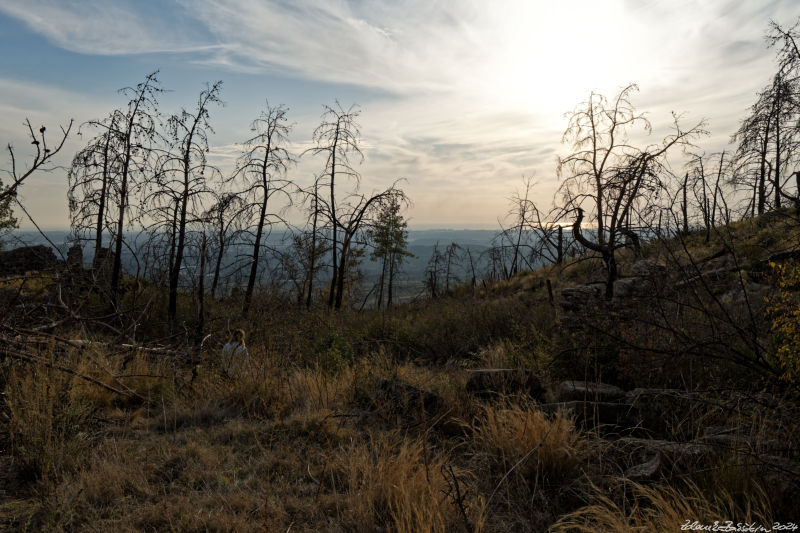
[461, 99]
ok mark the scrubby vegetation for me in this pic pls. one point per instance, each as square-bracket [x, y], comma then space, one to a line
[357, 421]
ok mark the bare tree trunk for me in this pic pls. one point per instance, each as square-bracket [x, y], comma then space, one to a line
[560, 246]
[601, 237]
[447, 273]
[684, 206]
[392, 260]
[762, 191]
[174, 277]
[797, 185]
[194, 126]
[201, 291]
[310, 273]
[172, 239]
[218, 264]
[340, 278]
[333, 288]
[777, 162]
[175, 274]
[606, 251]
[98, 239]
[382, 280]
[717, 191]
[116, 269]
[611, 265]
[251, 279]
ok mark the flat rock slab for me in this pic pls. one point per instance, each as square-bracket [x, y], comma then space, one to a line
[588, 390]
[489, 382]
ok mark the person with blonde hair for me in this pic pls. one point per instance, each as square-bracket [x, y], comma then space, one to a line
[234, 352]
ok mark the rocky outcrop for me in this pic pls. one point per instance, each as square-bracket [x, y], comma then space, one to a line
[577, 299]
[647, 278]
[648, 270]
[631, 288]
[27, 259]
[75, 258]
[746, 298]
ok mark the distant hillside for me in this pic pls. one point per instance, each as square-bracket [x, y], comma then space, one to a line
[421, 244]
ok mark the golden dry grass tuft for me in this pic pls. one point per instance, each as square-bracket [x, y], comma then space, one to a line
[48, 428]
[660, 508]
[536, 446]
[402, 485]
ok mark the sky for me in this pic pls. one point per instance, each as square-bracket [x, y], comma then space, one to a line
[459, 99]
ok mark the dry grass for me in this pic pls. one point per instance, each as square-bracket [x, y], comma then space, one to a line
[314, 389]
[49, 428]
[538, 447]
[660, 508]
[278, 448]
[402, 486]
[303, 439]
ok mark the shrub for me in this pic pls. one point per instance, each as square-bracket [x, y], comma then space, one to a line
[333, 352]
[784, 310]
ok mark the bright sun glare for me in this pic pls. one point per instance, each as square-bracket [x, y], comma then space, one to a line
[555, 56]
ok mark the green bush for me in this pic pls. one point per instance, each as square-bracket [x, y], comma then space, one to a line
[333, 352]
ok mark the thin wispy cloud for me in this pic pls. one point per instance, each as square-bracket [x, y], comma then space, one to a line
[101, 27]
[464, 97]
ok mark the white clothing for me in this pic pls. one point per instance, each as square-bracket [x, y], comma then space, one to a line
[234, 357]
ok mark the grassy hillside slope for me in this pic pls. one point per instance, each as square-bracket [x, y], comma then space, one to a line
[379, 420]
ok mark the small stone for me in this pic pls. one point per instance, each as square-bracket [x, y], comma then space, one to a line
[587, 390]
[647, 470]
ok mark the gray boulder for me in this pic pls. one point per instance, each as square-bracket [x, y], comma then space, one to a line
[631, 288]
[588, 390]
